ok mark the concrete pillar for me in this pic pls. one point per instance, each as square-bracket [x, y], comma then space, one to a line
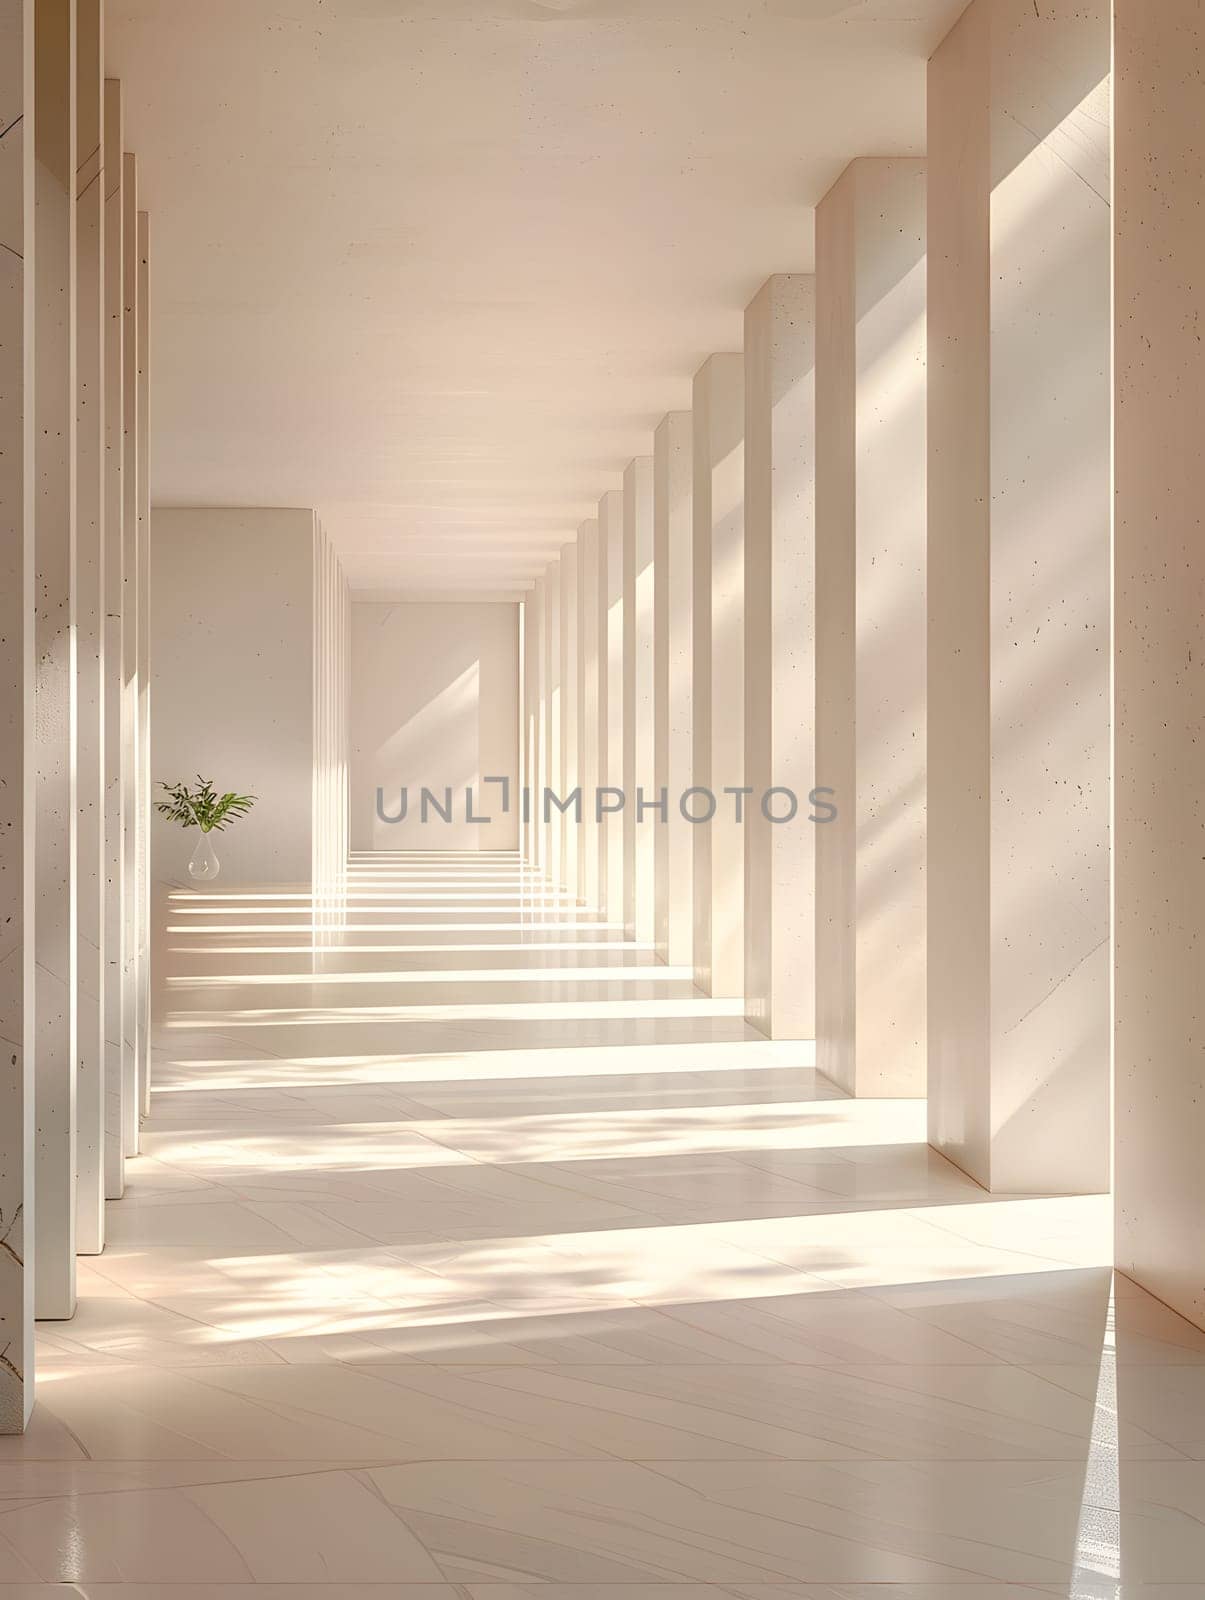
[537, 777]
[130, 765]
[780, 656]
[55, 700]
[114, 571]
[871, 650]
[143, 995]
[639, 831]
[568, 779]
[673, 538]
[91, 864]
[588, 723]
[17, 815]
[1018, 575]
[719, 673]
[610, 533]
[528, 815]
[329, 732]
[1160, 664]
[550, 817]
[604, 711]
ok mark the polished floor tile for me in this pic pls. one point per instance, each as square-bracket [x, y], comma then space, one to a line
[472, 1256]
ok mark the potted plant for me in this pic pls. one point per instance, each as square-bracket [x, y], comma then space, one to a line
[208, 810]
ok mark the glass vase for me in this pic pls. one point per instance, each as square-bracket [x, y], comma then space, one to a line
[204, 866]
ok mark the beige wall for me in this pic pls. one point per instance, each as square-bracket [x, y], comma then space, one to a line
[434, 702]
[232, 654]
[1160, 607]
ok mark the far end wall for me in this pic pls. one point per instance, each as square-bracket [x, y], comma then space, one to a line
[434, 703]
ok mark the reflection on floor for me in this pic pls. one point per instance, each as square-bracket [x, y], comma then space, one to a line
[477, 1249]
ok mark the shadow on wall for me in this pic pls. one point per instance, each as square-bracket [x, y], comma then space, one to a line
[434, 704]
[435, 750]
[1051, 582]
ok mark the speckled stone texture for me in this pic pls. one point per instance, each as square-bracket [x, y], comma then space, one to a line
[54, 680]
[90, 629]
[870, 654]
[16, 535]
[780, 654]
[114, 572]
[142, 875]
[131, 931]
[1019, 568]
[1160, 666]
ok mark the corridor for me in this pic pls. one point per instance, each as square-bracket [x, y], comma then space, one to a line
[471, 1246]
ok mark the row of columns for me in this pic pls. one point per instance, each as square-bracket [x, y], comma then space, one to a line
[75, 723]
[867, 574]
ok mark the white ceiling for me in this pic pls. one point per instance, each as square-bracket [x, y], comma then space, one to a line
[437, 267]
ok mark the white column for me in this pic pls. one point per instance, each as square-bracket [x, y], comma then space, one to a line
[639, 831]
[531, 727]
[610, 533]
[568, 778]
[673, 539]
[143, 997]
[1160, 664]
[90, 630]
[114, 568]
[129, 684]
[550, 817]
[55, 713]
[539, 726]
[870, 699]
[780, 657]
[719, 673]
[603, 719]
[1018, 575]
[524, 719]
[588, 723]
[329, 734]
[17, 815]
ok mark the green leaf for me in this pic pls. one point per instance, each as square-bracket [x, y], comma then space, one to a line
[202, 808]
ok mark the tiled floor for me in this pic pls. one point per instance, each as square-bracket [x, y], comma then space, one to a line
[479, 1250]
